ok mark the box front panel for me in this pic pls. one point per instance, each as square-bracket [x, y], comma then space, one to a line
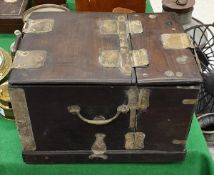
[164, 122]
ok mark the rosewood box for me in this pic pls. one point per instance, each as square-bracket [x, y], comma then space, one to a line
[103, 87]
[11, 15]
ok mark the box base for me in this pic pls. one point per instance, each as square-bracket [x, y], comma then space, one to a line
[147, 156]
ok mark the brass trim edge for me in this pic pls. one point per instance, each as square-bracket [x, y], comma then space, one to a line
[189, 101]
[22, 118]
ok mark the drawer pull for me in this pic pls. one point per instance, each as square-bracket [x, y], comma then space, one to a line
[75, 110]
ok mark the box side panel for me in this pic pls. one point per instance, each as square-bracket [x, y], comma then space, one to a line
[167, 120]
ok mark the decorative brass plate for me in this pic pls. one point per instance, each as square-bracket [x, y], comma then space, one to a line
[38, 26]
[29, 59]
[176, 41]
[5, 63]
[99, 147]
[134, 140]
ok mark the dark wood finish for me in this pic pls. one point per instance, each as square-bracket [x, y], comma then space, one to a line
[60, 130]
[48, 157]
[72, 75]
[108, 5]
[11, 15]
[69, 62]
[39, 2]
[162, 60]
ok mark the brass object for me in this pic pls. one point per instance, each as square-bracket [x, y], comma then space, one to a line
[22, 118]
[124, 61]
[134, 140]
[29, 59]
[138, 100]
[176, 41]
[152, 16]
[5, 63]
[75, 110]
[125, 58]
[169, 73]
[179, 74]
[182, 59]
[5, 104]
[179, 142]
[133, 102]
[99, 147]
[38, 26]
[44, 8]
[190, 101]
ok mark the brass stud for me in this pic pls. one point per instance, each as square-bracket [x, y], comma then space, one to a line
[179, 74]
[182, 60]
[152, 16]
[169, 73]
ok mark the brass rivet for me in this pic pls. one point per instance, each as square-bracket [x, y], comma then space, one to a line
[182, 59]
[145, 75]
[121, 18]
[179, 74]
[169, 73]
[25, 53]
[152, 16]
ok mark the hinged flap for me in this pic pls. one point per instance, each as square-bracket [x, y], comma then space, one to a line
[168, 49]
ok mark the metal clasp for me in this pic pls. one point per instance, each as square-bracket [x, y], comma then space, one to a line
[125, 58]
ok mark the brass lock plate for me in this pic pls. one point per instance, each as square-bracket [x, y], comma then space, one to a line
[125, 58]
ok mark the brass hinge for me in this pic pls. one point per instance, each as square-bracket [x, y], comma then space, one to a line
[125, 58]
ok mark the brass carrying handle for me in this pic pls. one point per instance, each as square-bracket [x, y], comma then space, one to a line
[75, 110]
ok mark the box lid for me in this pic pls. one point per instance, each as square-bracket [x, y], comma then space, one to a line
[103, 48]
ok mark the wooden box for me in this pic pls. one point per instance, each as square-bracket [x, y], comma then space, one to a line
[109, 5]
[11, 15]
[103, 87]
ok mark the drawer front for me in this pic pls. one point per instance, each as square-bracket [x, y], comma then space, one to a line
[162, 125]
[55, 128]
